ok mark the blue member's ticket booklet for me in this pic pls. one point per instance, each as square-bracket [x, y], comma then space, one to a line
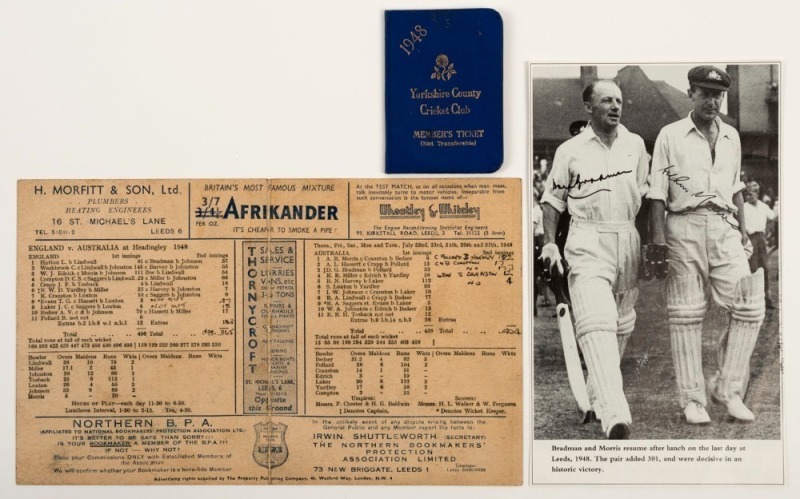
[444, 91]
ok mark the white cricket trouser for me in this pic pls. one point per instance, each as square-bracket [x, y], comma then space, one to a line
[704, 243]
[604, 262]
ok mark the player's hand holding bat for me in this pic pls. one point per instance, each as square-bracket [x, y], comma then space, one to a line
[553, 265]
[656, 261]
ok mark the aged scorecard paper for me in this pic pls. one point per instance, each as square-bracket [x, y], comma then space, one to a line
[269, 331]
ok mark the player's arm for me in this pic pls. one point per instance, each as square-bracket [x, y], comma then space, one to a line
[658, 213]
[738, 201]
[551, 257]
[656, 254]
[738, 188]
[643, 183]
[658, 193]
[642, 219]
[550, 221]
[554, 201]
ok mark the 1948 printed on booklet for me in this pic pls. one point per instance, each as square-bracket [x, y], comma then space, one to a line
[269, 331]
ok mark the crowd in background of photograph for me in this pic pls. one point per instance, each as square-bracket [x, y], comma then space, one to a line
[539, 177]
[768, 196]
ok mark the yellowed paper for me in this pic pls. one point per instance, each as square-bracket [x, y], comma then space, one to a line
[281, 331]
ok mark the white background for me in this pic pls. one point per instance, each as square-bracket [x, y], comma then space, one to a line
[248, 88]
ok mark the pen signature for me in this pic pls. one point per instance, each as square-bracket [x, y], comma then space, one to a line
[579, 183]
[586, 196]
[721, 212]
[705, 199]
[674, 177]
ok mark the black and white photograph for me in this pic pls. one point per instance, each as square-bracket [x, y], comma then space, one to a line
[655, 216]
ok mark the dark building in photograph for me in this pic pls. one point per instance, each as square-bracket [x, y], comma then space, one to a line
[753, 106]
[649, 105]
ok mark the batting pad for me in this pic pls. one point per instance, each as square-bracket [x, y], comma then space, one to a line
[626, 317]
[686, 304]
[626, 321]
[747, 314]
[602, 359]
[593, 305]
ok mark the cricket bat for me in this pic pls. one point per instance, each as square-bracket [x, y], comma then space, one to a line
[574, 371]
[577, 383]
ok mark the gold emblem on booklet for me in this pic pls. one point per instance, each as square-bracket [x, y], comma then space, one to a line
[443, 69]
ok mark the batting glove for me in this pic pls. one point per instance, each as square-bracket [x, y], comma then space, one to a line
[656, 260]
[553, 265]
[645, 271]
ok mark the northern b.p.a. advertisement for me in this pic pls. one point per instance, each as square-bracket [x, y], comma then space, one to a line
[269, 331]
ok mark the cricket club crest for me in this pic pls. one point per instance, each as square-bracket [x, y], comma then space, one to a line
[444, 68]
[270, 450]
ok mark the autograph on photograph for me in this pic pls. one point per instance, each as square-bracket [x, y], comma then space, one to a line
[578, 183]
[705, 199]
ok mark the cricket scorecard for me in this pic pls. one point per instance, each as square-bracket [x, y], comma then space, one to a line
[269, 331]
